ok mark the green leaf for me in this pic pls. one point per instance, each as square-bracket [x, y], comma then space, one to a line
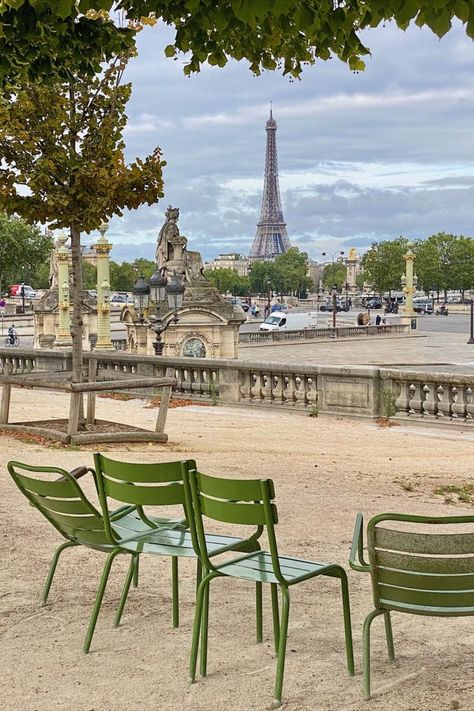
[461, 10]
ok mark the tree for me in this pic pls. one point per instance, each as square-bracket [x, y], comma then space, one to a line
[226, 280]
[334, 274]
[22, 248]
[44, 39]
[291, 272]
[262, 277]
[445, 261]
[89, 275]
[62, 162]
[384, 265]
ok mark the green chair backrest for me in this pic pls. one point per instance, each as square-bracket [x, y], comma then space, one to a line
[139, 484]
[422, 572]
[62, 502]
[234, 501]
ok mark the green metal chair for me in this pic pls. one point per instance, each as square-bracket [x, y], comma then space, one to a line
[152, 485]
[64, 504]
[127, 529]
[413, 571]
[250, 502]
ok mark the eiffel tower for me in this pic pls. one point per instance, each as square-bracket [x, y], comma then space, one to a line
[271, 238]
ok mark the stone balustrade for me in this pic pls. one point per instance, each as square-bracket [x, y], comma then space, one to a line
[312, 334]
[361, 391]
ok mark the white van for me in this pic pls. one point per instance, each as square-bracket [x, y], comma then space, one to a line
[278, 321]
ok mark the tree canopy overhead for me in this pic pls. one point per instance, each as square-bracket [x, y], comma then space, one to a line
[44, 38]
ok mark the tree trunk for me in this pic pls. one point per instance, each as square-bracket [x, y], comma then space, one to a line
[77, 322]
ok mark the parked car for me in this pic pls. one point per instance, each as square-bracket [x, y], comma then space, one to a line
[327, 306]
[121, 299]
[374, 303]
[16, 290]
[238, 302]
[423, 306]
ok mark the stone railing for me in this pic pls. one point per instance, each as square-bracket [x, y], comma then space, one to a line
[312, 334]
[418, 395]
[362, 391]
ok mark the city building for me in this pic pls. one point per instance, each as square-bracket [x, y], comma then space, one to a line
[237, 262]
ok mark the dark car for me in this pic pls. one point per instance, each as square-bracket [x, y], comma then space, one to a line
[327, 306]
[374, 303]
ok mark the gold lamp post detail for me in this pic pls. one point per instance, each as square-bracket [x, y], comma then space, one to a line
[64, 327]
[102, 249]
[409, 281]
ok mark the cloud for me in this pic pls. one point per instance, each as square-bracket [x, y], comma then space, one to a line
[361, 157]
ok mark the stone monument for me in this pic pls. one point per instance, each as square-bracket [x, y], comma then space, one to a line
[352, 267]
[51, 318]
[207, 325]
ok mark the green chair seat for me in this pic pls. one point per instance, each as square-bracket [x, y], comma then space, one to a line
[259, 566]
[177, 543]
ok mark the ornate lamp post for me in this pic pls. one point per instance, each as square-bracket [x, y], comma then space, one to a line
[409, 282]
[102, 248]
[158, 290]
[64, 327]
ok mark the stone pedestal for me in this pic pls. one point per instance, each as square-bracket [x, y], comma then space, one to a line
[352, 264]
[207, 327]
[46, 320]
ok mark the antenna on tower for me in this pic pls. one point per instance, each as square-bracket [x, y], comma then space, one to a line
[271, 107]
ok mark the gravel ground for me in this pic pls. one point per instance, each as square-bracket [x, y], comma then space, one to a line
[325, 470]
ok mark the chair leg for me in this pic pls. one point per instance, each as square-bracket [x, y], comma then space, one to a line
[276, 616]
[366, 653]
[198, 574]
[389, 635]
[347, 622]
[175, 590]
[136, 571]
[52, 570]
[126, 588]
[259, 616]
[204, 633]
[285, 611]
[198, 619]
[98, 600]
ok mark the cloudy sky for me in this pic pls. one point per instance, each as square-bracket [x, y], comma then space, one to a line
[362, 157]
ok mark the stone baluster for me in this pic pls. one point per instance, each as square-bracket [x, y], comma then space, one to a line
[415, 399]
[300, 392]
[289, 389]
[443, 392]
[459, 403]
[246, 382]
[277, 389]
[266, 389]
[429, 404]
[256, 387]
[403, 398]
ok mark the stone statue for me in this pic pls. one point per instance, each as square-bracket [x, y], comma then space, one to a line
[53, 261]
[172, 255]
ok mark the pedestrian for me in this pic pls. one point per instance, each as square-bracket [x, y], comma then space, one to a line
[378, 320]
[267, 310]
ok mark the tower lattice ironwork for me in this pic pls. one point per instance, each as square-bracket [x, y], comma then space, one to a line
[271, 238]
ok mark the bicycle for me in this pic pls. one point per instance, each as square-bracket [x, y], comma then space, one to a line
[12, 341]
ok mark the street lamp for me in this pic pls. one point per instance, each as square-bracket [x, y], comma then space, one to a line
[141, 295]
[157, 285]
[269, 283]
[158, 289]
[334, 256]
[334, 304]
[22, 292]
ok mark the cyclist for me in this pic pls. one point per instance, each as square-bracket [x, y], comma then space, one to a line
[12, 334]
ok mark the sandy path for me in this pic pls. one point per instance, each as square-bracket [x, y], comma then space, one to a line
[325, 470]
